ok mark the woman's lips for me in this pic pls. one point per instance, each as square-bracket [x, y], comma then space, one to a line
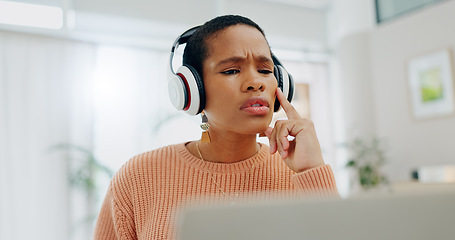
[255, 106]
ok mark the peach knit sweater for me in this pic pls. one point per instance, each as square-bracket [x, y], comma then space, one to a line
[144, 196]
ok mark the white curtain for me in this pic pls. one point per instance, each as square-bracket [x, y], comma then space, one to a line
[45, 100]
[132, 108]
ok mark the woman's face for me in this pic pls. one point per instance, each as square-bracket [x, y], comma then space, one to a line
[239, 81]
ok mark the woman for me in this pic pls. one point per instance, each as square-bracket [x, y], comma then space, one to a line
[234, 59]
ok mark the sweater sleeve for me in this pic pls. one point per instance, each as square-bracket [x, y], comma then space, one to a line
[318, 181]
[116, 217]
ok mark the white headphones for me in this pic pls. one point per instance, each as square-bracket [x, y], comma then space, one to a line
[186, 88]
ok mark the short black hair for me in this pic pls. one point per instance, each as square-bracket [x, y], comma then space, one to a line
[196, 50]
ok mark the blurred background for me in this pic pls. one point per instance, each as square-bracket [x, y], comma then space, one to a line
[83, 88]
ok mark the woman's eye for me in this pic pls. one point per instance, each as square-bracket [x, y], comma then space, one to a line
[265, 71]
[229, 72]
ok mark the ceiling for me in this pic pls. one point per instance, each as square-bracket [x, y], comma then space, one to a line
[297, 23]
[316, 4]
[184, 11]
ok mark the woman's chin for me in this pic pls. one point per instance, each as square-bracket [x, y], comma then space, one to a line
[260, 128]
[256, 129]
[249, 127]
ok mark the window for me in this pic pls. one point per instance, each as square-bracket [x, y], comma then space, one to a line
[390, 9]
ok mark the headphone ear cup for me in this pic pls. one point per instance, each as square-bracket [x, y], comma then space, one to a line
[178, 92]
[285, 83]
[200, 88]
[279, 79]
[194, 88]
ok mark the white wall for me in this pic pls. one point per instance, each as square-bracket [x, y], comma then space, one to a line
[286, 26]
[412, 142]
[372, 88]
[346, 17]
[352, 101]
[355, 90]
[348, 23]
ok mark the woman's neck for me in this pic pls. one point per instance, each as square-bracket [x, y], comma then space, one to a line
[226, 147]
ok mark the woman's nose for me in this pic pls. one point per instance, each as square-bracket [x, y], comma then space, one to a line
[256, 86]
[253, 82]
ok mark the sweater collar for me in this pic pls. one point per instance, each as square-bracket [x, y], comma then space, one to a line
[241, 166]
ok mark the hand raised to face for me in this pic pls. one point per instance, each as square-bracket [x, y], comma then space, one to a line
[301, 153]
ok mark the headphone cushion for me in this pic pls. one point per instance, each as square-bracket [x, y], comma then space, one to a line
[200, 87]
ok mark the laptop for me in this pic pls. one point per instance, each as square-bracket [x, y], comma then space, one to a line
[390, 216]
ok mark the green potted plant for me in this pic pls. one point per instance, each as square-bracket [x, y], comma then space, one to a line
[84, 168]
[84, 173]
[366, 158]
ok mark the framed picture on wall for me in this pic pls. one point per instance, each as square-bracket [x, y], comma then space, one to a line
[431, 84]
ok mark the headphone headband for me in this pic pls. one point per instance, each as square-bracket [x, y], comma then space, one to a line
[182, 39]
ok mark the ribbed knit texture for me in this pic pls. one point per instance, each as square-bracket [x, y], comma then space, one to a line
[145, 195]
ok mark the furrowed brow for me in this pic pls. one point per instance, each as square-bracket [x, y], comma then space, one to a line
[229, 60]
[265, 59]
